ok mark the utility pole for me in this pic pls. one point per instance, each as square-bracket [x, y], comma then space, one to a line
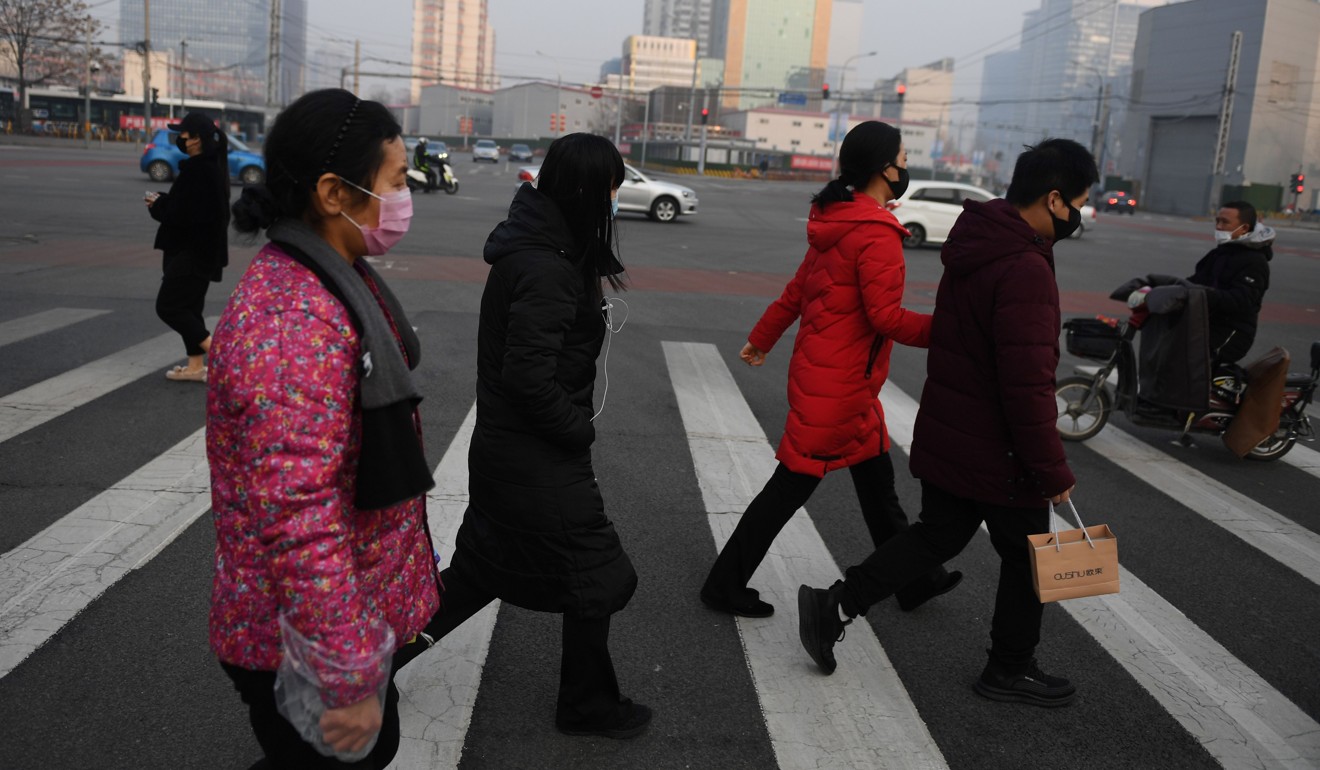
[146, 70]
[646, 127]
[618, 115]
[701, 154]
[183, 76]
[1225, 120]
[273, 56]
[692, 95]
[87, 94]
[357, 67]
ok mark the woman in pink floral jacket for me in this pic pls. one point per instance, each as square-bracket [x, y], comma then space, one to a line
[312, 349]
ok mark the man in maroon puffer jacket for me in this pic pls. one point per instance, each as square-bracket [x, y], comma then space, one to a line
[985, 445]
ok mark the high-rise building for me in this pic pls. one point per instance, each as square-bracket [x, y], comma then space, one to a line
[227, 37]
[453, 43]
[918, 94]
[773, 46]
[1172, 130]
[1073, 69]
[651, 62]
[688, 19]
[845, 42]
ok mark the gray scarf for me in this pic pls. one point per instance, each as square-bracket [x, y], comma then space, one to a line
[392, 467]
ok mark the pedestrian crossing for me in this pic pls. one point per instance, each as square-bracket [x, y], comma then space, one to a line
[862, 717]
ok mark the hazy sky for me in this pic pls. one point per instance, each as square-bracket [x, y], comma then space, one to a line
[582, 34]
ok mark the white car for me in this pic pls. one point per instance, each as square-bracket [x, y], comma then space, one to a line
[1089, 220]
[928, 209]
[662, 201]
[486, 149]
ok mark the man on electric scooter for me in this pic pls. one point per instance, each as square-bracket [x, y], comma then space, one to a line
[1235, 276]
[421, 161]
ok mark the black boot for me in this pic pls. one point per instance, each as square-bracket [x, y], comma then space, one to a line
[631, 721]
[1024, 684]
[819, 626]
[923, 589]
[745, 602]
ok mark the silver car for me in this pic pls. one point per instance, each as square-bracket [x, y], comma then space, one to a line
[486, 149]
[662, 201]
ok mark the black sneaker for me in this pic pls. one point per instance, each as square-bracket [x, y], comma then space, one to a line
[748, 604]
[819, 626]
[1026, 685]
[923, 589]
[632, 723]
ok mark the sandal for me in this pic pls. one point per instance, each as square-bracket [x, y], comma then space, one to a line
[183, 374]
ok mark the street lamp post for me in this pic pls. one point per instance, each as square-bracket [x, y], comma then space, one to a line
[838, 116]
[559, 89]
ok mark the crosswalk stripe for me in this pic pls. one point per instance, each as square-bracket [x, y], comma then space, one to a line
[861, 717]
[49, 579]
[32, 406]
[438, 690]
[19, 329]
[1303, 458]
[1236, 715]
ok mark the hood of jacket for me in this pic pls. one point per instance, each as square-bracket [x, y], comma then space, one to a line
[1260, 239]
[988, 232]
[826, 228]
[534, 223]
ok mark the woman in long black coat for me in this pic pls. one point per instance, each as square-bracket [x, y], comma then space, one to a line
[193, 237]
[535, 533]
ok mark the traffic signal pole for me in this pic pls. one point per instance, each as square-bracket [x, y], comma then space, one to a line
[146, 71]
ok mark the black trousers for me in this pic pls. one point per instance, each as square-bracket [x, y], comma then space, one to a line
[180, 303]
[588, 688]
[280, 742]
[945, 527]
[782, 496]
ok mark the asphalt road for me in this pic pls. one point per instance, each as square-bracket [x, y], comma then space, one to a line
[1220, 605]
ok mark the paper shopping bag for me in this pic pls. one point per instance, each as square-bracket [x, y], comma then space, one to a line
[1072, 563]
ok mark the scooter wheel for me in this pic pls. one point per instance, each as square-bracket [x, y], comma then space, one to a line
[452, 189]
[1077, 422]
[1273, 447]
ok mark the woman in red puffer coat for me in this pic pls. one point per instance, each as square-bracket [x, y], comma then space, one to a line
[848, 296]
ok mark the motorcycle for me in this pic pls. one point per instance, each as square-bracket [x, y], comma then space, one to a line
[428, 180]
[1086, 401]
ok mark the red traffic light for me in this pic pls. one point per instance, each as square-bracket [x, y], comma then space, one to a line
[900, 89]
[825, 91]
[705, 115]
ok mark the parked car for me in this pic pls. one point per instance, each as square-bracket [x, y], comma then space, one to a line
[486, 149]
[928, 209]
[1117, 200]
[1089, 220]
[160, 160]
[662, 201]
[521, 152]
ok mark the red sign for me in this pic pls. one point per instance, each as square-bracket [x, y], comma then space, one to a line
[134, 122]
[465, 125]
[811, 163]
[597, 92]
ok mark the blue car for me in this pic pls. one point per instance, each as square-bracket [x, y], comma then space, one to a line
[161, 159]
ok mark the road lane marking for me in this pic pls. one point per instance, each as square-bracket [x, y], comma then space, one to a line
[1236, 715]
[862, 717]
[1303, 458]
[32, 406]
[20, 329]
[47, 581]
[438, 690]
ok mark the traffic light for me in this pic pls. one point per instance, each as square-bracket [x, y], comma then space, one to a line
[705, 116]
[1298, 183]
[155, 96]
[900, 91]
[825, 91]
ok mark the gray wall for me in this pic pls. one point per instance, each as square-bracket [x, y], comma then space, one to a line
[441, 106]
[523, 111]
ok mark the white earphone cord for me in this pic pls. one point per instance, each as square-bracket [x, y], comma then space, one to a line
[610, 332]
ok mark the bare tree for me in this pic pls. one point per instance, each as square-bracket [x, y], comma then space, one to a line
[46, 40]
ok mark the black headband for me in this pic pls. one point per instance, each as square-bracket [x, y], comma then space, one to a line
[343, 129]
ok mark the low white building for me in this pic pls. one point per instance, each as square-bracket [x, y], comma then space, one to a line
[808, 133]
[538, 109]
[446, 110]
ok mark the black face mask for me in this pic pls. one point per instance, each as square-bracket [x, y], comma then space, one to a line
[900, 185]
[181, 143]
[1066, 227]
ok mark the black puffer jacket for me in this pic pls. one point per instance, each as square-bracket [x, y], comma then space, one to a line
[194, 219]
[1236, 276]
[535, 532]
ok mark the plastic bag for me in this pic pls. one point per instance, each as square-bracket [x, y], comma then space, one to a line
[306, 666]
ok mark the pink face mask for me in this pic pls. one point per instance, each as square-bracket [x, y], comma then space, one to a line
[395, 214]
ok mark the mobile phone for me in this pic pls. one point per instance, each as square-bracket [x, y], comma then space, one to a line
[150, 196]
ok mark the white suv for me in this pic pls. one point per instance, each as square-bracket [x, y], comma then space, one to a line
[486, 149]
[928, 209]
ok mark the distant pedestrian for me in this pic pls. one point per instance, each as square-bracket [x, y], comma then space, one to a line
[848, 294]
[535, 533]
[985, 444]
[313, 436]
[765, 166]
[193, 236]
